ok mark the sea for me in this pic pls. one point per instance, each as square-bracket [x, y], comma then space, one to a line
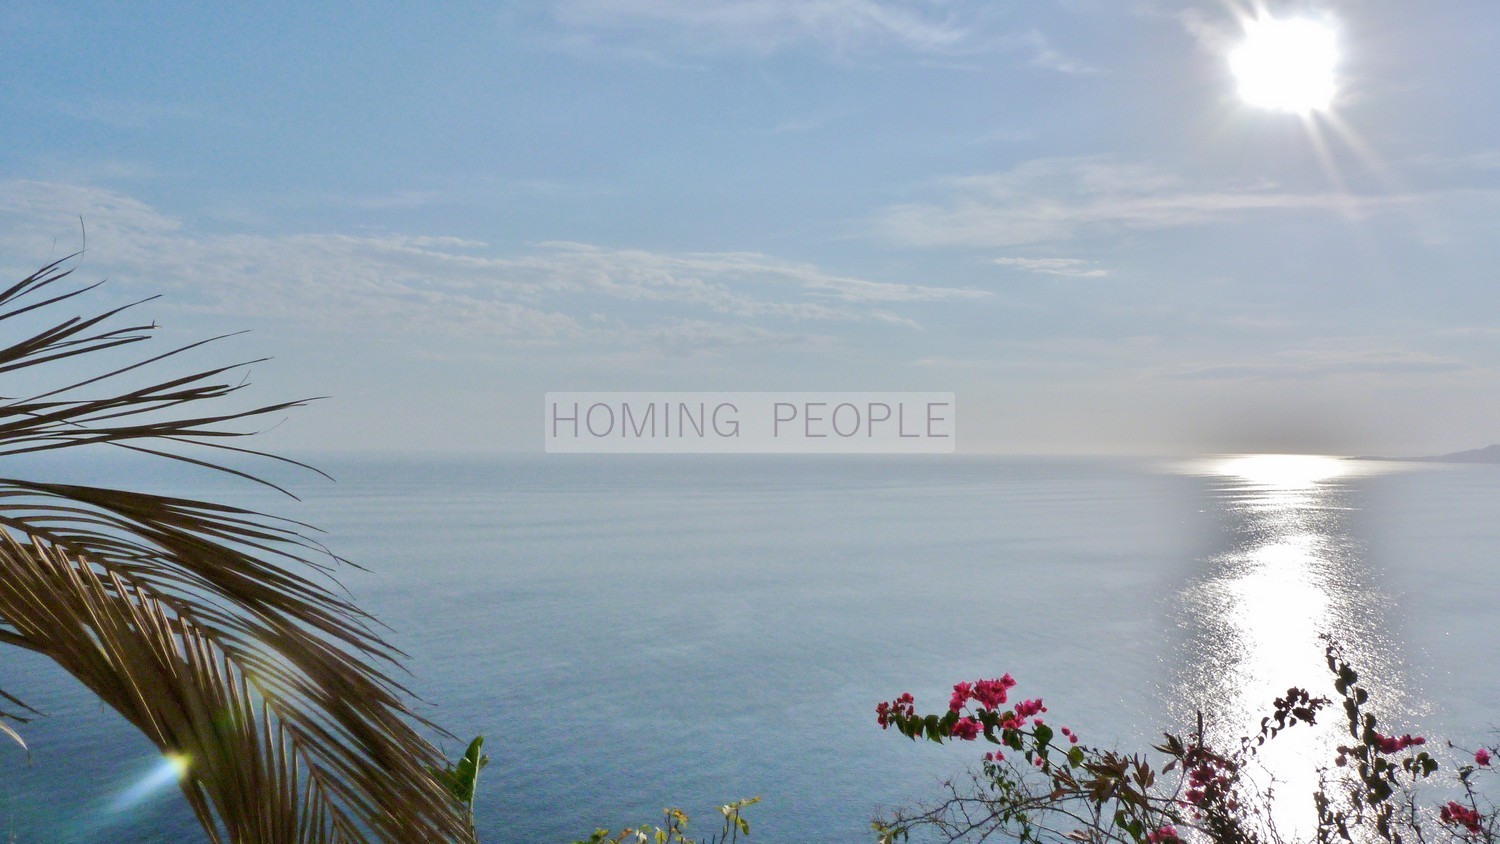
[630, 633]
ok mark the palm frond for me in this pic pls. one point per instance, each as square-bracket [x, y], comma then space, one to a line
[215, 630]
[12, 734]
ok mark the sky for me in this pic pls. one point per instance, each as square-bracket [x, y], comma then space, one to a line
[1062, 211]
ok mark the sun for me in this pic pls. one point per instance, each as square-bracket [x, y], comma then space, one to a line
[1287, 65]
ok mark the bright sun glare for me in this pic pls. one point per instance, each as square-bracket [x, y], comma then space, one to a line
[1286, 65]
[1284, 471]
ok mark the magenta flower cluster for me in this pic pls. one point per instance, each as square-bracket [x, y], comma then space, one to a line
[1210, 778]
[966, 729]
[1386, 745]
[966, 723]
[1456, 814]
[1025, 709]
[991, 694]
[1396, 744]
[1210, 786]
[901, 707]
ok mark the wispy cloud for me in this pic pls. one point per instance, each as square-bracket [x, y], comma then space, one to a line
[436, 284]
[690, 33]
[1486, 161]
[1053, 200]
[1071, 267]
[1045, 56]
[806, 124]
[1215, 31]
[721, 281]
[395, 200]
[1307, 365]
[767, 25]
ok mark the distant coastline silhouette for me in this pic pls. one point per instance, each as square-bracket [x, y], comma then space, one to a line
[1488, 454]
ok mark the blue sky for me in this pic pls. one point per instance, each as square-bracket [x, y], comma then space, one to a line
[1060, 211]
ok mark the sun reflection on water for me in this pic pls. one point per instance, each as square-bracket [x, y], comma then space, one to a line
[1284, 472]
[1287, 573]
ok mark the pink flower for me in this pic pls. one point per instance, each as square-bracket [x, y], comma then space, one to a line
[991, 694]
[961, 694]
[997, 756]
[1163, 835]
[1395, 744]
[1455, 813]
[1028, 708]
[894, 711]
[966, 729]
[1482, 757]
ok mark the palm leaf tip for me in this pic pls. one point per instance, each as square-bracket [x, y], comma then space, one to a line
[215, 630]
[13, 735]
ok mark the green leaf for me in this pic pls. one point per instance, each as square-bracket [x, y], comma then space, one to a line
[463, 777]
[934, 728]
[1043, 734]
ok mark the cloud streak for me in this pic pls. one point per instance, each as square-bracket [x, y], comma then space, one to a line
[1069, 267]
[1053, 200]
[768, 25]
[1304, 365]
[447, 285]
[664, 31]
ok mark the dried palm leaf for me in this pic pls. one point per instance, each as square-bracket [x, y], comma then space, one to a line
[216, 630]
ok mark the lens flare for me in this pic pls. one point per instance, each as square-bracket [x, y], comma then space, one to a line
[166, 773]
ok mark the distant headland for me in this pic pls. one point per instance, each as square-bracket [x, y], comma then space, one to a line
[1488, 454]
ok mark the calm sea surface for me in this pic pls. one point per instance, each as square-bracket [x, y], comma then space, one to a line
[636, 632]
